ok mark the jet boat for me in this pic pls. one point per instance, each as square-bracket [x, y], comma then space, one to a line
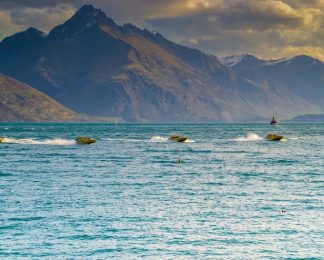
[274, 137]
[178, 138]
[84, 140]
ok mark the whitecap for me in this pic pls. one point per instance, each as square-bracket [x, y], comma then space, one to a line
[189, 141]
[249, 137]
[39, 142]
[158, 139]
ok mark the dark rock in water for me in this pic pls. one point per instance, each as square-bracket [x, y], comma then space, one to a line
[85, 140]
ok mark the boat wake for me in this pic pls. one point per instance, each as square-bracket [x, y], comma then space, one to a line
[39, 142]
[249, 137]
[159, 139]
[189, 141]
[163, 139]
[124, 140]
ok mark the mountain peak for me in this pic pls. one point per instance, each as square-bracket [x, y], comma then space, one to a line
[87, 16]
[31, 36]
[34, 30]
[249, 57]
[87, 8]
[30, 32]
[305, 59]
[231, 61]
[88, 11]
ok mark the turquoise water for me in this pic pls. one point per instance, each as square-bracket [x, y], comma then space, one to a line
[234, 196]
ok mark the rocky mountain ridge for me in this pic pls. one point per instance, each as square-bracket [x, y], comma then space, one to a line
[94, 66]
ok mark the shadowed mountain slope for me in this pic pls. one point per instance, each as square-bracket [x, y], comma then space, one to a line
[20, 102]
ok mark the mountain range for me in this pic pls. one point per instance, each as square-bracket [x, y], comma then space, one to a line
[302, 75]
[93, 66]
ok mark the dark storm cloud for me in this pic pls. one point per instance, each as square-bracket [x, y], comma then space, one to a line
[267, 28]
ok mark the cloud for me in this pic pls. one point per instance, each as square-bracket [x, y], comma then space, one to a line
[44, 18]
[267, 28]
[7, 25]
[193, 41]
[237, 15]
[19, 15]
[257, 15]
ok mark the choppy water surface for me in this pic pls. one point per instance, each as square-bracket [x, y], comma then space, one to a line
[234, 195]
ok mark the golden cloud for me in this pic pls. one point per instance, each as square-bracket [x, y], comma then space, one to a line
[7, 25]
[290, 51]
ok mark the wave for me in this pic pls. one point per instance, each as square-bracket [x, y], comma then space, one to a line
[39, 142]
[249, 137]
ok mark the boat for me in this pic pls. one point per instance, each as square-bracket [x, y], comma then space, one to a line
[2, 139]
[178, 138]
[274, 137]
[84, 140]
[273, 121]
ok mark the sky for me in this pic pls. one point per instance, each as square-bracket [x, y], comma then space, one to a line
[268, 29]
